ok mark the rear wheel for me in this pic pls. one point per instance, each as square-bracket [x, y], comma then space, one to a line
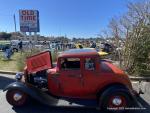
[115, 100]
[16, 97]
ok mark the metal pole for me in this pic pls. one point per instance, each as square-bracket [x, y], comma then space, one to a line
[15, 22]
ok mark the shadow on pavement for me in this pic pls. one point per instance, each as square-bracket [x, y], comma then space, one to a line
[36, 107]
[40, 108]
[4, 81]
[145, 107]
[144, 104]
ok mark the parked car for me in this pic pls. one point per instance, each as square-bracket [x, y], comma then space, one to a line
[78, 76]
[79, 46]
[15, 45]
[105, 47]
[3, 47]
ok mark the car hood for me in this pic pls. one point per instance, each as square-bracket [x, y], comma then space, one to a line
[39, 62]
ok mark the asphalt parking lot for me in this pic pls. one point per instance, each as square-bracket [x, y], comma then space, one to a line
[35, 107]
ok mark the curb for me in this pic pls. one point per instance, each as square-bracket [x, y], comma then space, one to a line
[140, 79]
[8, 72]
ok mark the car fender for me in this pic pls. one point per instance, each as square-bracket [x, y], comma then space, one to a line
[33, 92]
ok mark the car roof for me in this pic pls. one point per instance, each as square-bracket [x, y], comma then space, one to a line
[79, 52]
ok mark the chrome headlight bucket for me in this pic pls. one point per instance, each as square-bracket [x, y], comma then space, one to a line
[19, 76]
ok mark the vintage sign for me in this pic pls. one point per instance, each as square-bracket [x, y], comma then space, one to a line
[29, 20]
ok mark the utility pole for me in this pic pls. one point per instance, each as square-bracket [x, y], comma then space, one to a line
[15, 22]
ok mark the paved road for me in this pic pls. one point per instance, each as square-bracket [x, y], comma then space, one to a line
[34, 107]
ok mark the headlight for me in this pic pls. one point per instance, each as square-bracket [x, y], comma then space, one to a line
[19, 76]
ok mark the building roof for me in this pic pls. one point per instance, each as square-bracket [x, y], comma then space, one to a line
[79, 52]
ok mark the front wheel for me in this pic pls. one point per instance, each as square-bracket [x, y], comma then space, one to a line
[16, 97]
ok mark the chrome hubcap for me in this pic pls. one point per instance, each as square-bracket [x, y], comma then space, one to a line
[17, 96]
[117, 101]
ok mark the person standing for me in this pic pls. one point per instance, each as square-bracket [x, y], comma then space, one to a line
[20, 45]
[7, 51]
[93, 45]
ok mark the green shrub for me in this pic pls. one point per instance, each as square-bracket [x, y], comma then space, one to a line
[138, 54]
[54, 56]
[21, 63]
[21, 60]
[1, 56]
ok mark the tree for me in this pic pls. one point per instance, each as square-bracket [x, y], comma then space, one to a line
[115, 30]
[5, 36]
[135, 25]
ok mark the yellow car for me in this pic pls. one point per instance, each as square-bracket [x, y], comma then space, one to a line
[101, 53]
[79, 46]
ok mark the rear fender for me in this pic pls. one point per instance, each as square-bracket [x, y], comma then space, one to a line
[33, 92]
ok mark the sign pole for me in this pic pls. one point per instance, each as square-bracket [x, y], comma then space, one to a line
[15, 23]
[35, 36]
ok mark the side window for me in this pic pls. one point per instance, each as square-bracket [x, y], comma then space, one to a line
[70, 63]
[89, 64]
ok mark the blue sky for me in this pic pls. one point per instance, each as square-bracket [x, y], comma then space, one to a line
[74, 18]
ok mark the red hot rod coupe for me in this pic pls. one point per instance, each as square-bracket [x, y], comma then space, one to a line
[78, 76]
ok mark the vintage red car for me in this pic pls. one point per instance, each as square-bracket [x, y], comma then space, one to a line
[79, 76]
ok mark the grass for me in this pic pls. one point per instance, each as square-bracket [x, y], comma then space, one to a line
[17, 61]
[9, 65]
[4, 42]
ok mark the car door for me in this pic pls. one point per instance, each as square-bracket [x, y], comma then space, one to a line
[90, 75]
[71, 78]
